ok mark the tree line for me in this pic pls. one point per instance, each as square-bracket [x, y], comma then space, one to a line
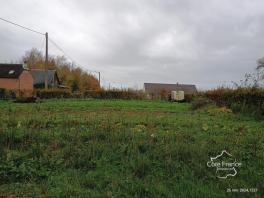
[70, 74]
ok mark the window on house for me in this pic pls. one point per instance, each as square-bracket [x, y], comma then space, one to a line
[11, 72]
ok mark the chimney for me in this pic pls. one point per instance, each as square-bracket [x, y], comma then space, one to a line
[25, 65]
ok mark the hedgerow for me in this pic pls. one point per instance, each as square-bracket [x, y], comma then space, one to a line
[66, 93]
[114, 94]
[52, 93]
[240, 99]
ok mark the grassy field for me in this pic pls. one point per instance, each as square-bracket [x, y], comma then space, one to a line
[118, 148]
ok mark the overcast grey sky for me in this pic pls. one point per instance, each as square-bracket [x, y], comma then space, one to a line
[202, 42]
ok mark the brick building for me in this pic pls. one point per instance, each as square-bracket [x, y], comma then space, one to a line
[15, 77]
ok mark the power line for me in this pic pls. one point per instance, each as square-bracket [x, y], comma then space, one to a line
[60, 49]
[66, 54]
[53, 42]
[21, 26]
[42, 44]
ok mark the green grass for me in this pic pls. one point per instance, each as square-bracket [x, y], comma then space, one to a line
[121, 148]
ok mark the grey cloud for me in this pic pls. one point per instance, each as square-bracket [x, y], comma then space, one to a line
[194, 41]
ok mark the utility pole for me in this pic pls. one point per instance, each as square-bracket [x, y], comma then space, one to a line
[46, 62]
[99, 73]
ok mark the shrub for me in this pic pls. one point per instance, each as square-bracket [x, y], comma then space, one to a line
[219, 110]
[236, 107]
[189, 97]
[225, 96]
[164, 95]
[241, 99]
[114, 94]
[199, 103]
[2, 93]
[53, 93]
[65, 93]
[11, 94]
[26, 99]
[77, 95]
[24, 94]
[7, 94]
[91, 94]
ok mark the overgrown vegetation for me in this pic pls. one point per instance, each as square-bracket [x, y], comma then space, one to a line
[115, 94]
[247, 96]
[247, 100]
[96, 94]
[124, 148]
[200, 102]
[66, 93]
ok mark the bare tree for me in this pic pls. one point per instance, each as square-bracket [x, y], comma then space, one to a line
[255, 79]
[260, 63]
[260, 69]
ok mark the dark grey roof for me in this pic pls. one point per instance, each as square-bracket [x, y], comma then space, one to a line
[158, 87]
[39, 76]
[10, 70]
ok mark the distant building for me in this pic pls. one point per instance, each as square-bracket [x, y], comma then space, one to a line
[15, 77]
[158, 90]
[39, 78]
